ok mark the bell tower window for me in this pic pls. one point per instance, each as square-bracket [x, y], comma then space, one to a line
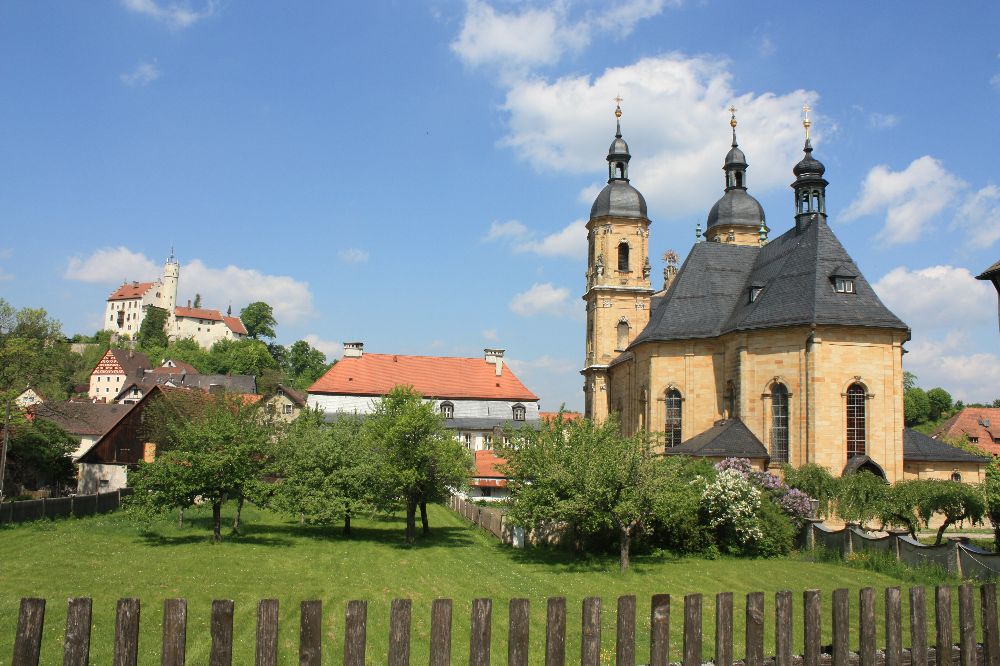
[623, 250]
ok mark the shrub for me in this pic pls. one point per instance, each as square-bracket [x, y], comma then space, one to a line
[777, 531]
[816, 482]
[729, 506]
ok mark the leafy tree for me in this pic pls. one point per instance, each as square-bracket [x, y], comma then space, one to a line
[306, 363]
[189, 351]
[861, 497]
[909, 380]
[33, 352]
[39, 455]
[955, 500]
[991, 494]
[240, 357]
[197, 300]
[327, 476]
[258, 317]
[210, 448]
[940, 402]
[916, 406]
[814, 480]
[587, 475]
[153, 332]
[419, 460]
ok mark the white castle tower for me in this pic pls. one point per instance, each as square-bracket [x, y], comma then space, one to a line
[171, 274]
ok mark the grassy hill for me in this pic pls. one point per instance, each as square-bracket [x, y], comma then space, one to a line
[108, 557]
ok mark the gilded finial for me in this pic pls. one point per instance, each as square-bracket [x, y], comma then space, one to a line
[732, 118]
[805, 119]
[618, 105]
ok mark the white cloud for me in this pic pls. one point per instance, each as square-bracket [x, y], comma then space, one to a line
[910, 198]
[949, 363]
[979, 217]
[353, 256]
[675, 121]
[219, 287]
[570, 242]
[545, 364]
[540, 34]
[176, 14]
[505, 230]
[765, 46]
[112, 266]
[882, 120]
[936, 297]
[541, 298]
[490, 334]
[995, 81]
[143, 74]
[329, 347]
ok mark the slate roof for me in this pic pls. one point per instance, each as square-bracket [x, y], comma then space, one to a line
[918, 447]
[244, 384]
[82, 418]
[431, 376]
[728, 438]
[989, 272]
[618, 199]
[710, 295]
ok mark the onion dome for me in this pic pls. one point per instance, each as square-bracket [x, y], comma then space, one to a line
[809, 185]
[618, 198]
[808, 165]
[736, 208]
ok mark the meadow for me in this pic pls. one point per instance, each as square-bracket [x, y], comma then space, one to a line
[109, 557]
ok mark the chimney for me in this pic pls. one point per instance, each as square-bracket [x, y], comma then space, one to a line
[189, 302]
[354, 349]
[495, 356]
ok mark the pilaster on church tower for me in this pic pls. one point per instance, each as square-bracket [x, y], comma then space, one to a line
[618, 272]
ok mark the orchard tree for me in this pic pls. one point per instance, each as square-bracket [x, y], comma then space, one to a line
[152, 332]
[991, 494]
[258, 317]
[861, 497]
[419, 460]
[954, 500]
[940, 402]
[210, 447]
[584, 474]
[33, 352]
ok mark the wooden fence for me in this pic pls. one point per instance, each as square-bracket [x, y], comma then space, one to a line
[62, 507]
[490, 519]
[943, 652]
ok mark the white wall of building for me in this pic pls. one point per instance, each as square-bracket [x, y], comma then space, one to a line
[206, 332]
[97, 478]
[105, 386]
[463, 409]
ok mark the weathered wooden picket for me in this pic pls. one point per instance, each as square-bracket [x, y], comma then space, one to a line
[967, 652]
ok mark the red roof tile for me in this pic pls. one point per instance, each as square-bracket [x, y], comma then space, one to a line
[487, 473]
[980, 424]
[235, 325]
[431, 376]
[198, 313]
[130, 290]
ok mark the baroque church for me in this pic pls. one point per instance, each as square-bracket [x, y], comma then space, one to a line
[773, 349]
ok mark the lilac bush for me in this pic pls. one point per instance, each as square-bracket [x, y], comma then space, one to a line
[793, 502]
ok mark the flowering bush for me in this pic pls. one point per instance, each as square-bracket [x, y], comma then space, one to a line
[730, 504]
[794, 503]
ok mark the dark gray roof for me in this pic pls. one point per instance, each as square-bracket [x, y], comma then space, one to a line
[736, 208]
[918, 447]
[728, 438]
[618, 199]
[710, 294]
[989, 272]
[231, 383]
[82, 418]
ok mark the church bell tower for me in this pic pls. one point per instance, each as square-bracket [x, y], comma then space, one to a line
[618, 269]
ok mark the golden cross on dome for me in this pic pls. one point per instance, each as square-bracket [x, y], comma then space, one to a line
[732, 119]
[618, 105]
[805, 118]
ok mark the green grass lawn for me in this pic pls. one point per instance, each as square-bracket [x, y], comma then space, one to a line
[108, 557]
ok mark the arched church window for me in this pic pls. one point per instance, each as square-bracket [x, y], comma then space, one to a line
[623, 329]
[623, 256]
[673, 423]
[856, 420]
[779, 423]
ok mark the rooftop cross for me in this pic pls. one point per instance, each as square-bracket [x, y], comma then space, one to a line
[805, 118]
[732, 119]
[618, 105]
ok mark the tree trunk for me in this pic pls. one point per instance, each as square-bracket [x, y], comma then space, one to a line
[624, 545]
[180, 517]
[217, 521]
[347, 523]
[423, 518]
[411, 519]
[940, 533]
[239, 512]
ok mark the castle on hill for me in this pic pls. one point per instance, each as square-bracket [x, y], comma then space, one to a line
[127, 307]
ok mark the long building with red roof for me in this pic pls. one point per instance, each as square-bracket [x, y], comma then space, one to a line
[478, 397]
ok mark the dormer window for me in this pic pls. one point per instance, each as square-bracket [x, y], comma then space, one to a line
[447, 410]
[843, 285]
[518, 412]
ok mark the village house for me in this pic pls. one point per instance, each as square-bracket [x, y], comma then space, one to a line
[86, 421]
[979, 425]
[286, 404]
[111, 373]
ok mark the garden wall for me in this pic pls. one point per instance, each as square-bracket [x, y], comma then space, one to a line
[61, 507]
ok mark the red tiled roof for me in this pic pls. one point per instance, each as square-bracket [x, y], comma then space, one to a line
[431, 376]
[972, 422]
[130, 290]
[235, 325]
[487, 473]
[198, 313]
[566, 416]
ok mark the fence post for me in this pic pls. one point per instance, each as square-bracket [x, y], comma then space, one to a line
[893, 628]
[126, 632]
[479, 639]
[812, 627]
[991, 640]
[441, 632]
[222, 632]
[866, 627]
[942, 621]
[692, 630]
[555, 632]
[966, 626]
[841, 627]
[590, 636]
[848, 539]
[28, 639]
[518, 621]
[755, 629]
[267, 633]
[174, 632]
[625, 640]
[310, 633]
[896, 548]
[783, 628]
[399, 632]
[724, 629]
[659, 630]
[918, 627]
[355, 632]
[76, 646]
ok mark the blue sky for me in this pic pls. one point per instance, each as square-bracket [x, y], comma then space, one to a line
[416, 175]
